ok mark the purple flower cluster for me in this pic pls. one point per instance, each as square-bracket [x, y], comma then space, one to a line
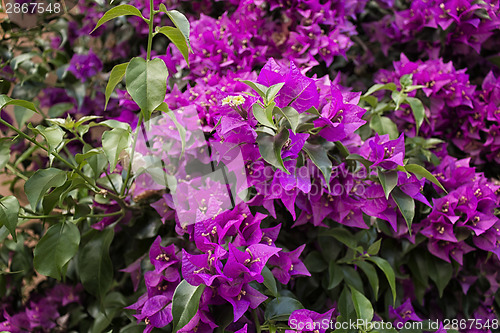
[467, 211]
[466, 114]
[227, 268]
[469, 24]
[42, 313]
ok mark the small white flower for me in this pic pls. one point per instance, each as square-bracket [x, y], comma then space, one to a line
[233, 100]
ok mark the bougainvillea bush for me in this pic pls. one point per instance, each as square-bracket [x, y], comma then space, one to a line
[252, 166]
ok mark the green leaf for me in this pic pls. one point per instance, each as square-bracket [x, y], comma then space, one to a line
[342, 235]
[117, 11]
[58, 109]
[376, 87]
[398, 97]
[180, 21]
[383, 125]
[176, 36]
[53, 135]
[9, 208]
[360, 159]
[388, 180]
[418, 110]
[273, 90]
[185, 303]
[270, 148]
[22, 115]
[371, 274]
[269, 281]
[115, 77]
[314, 262]
[352, 277]
[290, 114]
[420, 172]
[85, 119]
[362, 305]
[56, 248]
[406, 80]
[440, 272]
[147, 83]
[259, 88]
[281, 308]
[374, 248]
[41, 181]
[94, 263]
[344, 152]
[335, 275]
[113, 143]
[388, 271]
[6, 100]
[50, 200]
[4, 152]
[319, 157]
[406, 205]
[260, 114]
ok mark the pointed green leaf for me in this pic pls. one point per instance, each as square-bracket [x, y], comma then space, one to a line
[259, 88]
[319, 157]
[335, 275]
[9, 208]
[115, 77]
[260, 114]
[273, 90]
[374, 248]
[94, 263]
[406, 80]
[270, 148]
[117, 11]
[290, 114]
[185, 303]
[388, 86]
[371, 274]
[41, 181]
[56, 248]
[269, 281]
[418, 110]
[279, 309]
[389, 273]
[406, 206]
[383, 125]
[6, 100]
[360, 159]
[362, 305]
[440, 272]
[176, 36]
[388, 180]
[147, 83]
[420, 172]
[180, 21]
[114, 142]
[342, 235]
[58, 109]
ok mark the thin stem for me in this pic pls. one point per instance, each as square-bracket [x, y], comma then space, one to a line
[150, 36]
[109, 179]
[56, 155]
[16, 172]
[25, 155]
[256, 321]
[136, 135]
[39, 217]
